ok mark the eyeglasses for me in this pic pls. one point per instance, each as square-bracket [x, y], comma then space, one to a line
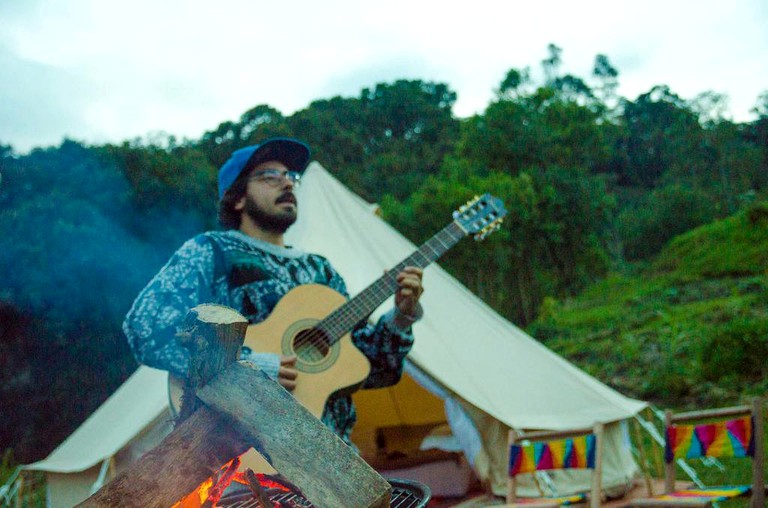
[275, 177]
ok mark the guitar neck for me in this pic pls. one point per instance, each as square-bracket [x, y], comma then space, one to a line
[343, 319]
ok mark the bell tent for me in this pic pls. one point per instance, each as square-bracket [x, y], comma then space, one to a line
[469, 367]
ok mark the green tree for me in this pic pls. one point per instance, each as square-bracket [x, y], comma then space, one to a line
[575, 216]
[430, 208]
[710, 107]
[663, 136]
[507, 137]
[570, 88]
[257, 123]
[735, 169]
[761, 107]
[409, 128]
[551, 126]
[549, 244]
[178, 183]
[551, 64]
[514, 83]
[334, 128]
[607, 79]
[757, 134]
[6, 151]
[576, 138]
[384, 142]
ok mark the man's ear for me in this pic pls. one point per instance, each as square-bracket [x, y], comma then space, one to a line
[240, 204]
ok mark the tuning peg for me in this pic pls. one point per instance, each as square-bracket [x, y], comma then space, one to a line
[487, 230]
[469, 203]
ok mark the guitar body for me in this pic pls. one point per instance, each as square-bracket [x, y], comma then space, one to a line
[290, 330]
[324, 369]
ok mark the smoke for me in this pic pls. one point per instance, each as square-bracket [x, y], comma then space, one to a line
[71, 243]
[74, 253]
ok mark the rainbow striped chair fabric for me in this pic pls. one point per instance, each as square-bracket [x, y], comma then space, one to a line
[544, 451]
[730, 438]
[727, 432]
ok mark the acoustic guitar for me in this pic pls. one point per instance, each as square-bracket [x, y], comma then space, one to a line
[313, 322]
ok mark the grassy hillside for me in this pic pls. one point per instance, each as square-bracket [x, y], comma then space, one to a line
[688, 330]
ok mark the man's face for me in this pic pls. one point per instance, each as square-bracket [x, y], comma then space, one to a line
[269, 200]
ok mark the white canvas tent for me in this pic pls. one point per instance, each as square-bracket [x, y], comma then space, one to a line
[490, 373]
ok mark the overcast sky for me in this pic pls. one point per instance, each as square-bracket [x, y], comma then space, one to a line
[107, 71]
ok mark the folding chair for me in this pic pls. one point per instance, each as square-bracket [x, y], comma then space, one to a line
[726, 432]
[545, 450]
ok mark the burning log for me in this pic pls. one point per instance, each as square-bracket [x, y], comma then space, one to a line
[237, 407]
[200, 444]
[187, 457]
[256, 488]
[297, 444]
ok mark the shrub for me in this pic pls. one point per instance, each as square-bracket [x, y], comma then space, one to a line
[662, 215]
[736, 346]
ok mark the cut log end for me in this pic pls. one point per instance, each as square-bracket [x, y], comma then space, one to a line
[218, 314]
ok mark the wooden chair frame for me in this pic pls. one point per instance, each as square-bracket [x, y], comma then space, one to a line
[758, 460]
[595, 494]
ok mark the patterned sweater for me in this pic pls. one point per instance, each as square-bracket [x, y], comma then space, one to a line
[251, 276]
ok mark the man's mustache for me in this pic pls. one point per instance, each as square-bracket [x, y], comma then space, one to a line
[286, 197]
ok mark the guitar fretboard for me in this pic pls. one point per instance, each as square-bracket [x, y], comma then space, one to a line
[342, 320]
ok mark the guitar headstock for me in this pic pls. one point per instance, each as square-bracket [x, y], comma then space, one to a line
[480, 216]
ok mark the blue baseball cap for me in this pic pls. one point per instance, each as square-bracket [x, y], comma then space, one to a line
[291, 152]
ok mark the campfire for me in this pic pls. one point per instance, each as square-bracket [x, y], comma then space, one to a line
[236, 407]
[264, 490]
[256, 489]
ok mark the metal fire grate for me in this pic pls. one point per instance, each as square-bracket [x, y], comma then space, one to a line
[405, 494]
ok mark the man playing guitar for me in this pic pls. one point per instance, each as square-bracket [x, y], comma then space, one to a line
[248, 267]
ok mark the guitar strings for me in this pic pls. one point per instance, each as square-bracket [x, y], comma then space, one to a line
[333, 327]
[321, 338]
[344, 314]
[314, 344]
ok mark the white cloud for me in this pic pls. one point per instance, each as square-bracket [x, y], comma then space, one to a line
[109, 71]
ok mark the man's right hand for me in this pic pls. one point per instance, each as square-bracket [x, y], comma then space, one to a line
[287, 374]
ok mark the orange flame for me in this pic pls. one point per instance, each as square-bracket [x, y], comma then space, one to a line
[210, 490]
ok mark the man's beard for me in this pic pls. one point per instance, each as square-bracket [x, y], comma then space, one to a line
[274, 223]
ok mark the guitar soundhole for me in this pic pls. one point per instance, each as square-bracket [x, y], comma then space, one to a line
[311, 345]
